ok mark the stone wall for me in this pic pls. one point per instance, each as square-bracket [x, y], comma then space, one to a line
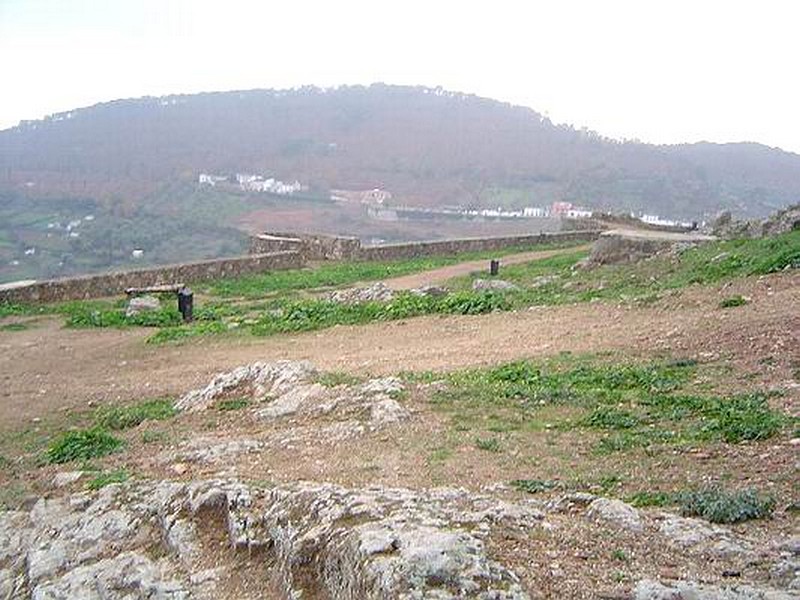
[268, 252]
[109, 284]
[449, 247]
[311, 246]
[625, 246]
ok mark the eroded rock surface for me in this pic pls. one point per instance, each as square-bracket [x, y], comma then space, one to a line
[377, 292]
[291, 389]
[309, 540]
[688, 590]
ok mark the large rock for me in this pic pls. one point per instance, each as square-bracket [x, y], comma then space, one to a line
[615, 513]
[284, 390]
[377, 292]
[498, 285]
[687, 590]
[693, 534]
[619, 246]
[257, 380]
[143, 540]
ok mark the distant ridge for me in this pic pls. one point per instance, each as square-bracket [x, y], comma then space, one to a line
[427, 146]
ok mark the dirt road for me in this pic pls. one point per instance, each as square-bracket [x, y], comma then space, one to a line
[50, 368]
[442, 274]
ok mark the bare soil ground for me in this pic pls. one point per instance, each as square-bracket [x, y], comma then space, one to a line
[49, 368]
[49, 371]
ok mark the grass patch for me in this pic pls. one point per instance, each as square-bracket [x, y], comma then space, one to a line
[488, 444]
[88, 314]
[733, 301]
[154, 437]
[336, 378]
[535, 486]
[630, 405]
[721, 506]
[347, 273]
[82, 445]
[232, 404]
[104, 479]
[647, 498]
[14, 327]
[8, 309]
[124, 417]
[314, 314]
[554, 281]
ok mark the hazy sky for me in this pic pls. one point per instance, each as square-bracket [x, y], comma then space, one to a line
[656, 70]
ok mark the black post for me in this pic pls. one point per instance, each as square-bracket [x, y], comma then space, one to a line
[494, 267]
[186, 304]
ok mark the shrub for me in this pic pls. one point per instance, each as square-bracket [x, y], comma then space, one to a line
[82, 445]
[720, 506]
[733, 301]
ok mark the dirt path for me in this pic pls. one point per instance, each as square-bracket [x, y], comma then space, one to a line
[438, 276]
[50, 368]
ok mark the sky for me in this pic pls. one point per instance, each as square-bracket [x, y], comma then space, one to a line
[661, 71]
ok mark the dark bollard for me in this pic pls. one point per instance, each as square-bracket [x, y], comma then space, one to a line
[186, 304]
[494, 267]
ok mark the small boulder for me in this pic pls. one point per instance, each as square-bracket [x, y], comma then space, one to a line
[142, 304]
[433, 291]
[497, 285]
[615, 513]
[377, 292]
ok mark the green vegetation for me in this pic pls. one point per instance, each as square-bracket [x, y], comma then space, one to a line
[232, 404]
[733, 301]
[124, 417]
[554, 281]
[629, 405]
[14, 327]
[107, 478]
[339, 274]
[535, 486]
[721, 506]
[488, 444]
[647, 498]
[81, 314]
[334, 378]
[308, 315]
[286, 306]
[82, 445]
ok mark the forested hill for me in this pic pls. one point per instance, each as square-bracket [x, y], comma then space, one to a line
[426, 146]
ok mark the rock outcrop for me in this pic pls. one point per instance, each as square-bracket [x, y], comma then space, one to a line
[304, 540]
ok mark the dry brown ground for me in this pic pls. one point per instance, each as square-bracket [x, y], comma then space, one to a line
[48, 368]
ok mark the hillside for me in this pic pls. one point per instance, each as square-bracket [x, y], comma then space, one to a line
[623, 431]
[426, 146]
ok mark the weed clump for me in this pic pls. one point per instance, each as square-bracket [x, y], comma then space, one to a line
[733, 301]
[535, 486]
[82, 445]
[233, 404]
[125, 417]
[721, 506]
[488, 444]
[104, 479]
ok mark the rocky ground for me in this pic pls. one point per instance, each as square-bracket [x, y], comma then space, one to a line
[315, 466]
